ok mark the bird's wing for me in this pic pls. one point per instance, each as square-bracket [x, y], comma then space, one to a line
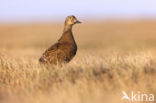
[57, 53]
[50, 54]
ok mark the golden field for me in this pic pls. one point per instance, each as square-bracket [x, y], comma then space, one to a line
[113, 56]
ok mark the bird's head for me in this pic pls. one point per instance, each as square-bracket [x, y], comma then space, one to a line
[71, 20]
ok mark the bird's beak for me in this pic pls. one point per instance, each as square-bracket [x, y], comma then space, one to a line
[78, 22]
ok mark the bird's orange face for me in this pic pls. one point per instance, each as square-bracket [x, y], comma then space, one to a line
[71, 20]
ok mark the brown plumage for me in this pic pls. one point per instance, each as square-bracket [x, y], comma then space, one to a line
[65, 49]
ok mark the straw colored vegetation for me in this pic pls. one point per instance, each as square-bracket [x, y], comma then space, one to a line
[112, 57]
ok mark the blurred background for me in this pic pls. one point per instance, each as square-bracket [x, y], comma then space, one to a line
[56, 10]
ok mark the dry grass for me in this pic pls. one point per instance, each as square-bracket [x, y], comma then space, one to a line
[112, 57]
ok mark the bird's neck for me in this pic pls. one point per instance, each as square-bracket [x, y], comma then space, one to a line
[67, 35]
[67, 28]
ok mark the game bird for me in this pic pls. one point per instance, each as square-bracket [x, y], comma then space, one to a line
[65, 48]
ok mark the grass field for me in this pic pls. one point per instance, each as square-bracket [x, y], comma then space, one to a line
[113, 56]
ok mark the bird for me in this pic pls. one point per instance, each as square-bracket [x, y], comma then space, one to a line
[65, 48]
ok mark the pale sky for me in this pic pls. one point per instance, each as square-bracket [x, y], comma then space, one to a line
[58, 9]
